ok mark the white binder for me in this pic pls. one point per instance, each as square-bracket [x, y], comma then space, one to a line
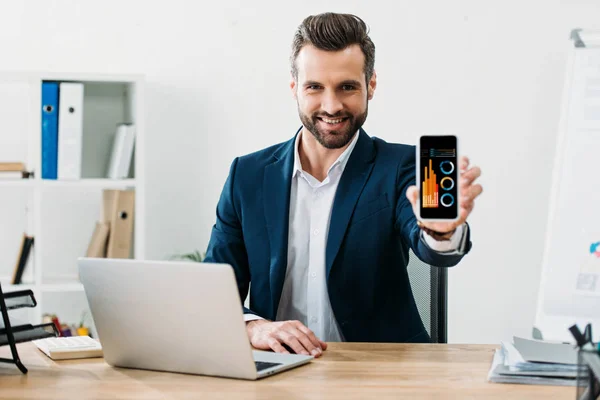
[128, 145]
[122, 152]
[70, 130]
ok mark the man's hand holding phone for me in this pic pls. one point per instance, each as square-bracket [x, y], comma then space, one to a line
[444, 195]
[468, 193]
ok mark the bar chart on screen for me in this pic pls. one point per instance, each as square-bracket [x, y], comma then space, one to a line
[430, 188]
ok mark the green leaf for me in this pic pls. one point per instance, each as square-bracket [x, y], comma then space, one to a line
[195, 256]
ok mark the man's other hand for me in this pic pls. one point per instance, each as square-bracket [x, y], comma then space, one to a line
[267, 335]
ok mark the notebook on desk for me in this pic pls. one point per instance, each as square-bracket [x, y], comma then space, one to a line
[174, 316]
[71, 347]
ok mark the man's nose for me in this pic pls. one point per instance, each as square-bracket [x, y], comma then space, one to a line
[331, 104]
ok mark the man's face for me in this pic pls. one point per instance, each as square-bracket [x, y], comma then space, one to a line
[332, 94]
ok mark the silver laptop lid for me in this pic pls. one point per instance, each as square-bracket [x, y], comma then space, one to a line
[173, 316]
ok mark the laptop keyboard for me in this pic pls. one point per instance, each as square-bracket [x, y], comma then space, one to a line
[260, 365]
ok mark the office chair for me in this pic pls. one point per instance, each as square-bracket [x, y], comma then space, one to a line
[430, 289]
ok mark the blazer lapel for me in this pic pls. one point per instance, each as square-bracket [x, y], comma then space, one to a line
[276, 197]
[355, 176]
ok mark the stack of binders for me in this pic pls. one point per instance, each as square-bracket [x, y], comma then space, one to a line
[113, 235]
[62, 134]
[62, 127]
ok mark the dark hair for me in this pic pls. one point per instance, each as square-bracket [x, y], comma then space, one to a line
[333, 32]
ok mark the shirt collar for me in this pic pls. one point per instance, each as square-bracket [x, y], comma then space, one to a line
[341, 161]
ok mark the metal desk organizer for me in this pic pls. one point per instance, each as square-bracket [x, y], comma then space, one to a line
[588, 359]
[11, 335]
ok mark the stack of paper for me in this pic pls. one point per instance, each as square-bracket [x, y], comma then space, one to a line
[535, 362]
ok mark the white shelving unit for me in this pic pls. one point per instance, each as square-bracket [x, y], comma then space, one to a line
[61, 214]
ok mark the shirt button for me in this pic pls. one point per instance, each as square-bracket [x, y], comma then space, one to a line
[319, 194]
[314, 319]
[314, 274]
[316, 232]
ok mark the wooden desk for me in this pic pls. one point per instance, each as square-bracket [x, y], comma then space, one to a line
[345, 371]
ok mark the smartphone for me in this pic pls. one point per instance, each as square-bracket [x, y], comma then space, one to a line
[437, 178]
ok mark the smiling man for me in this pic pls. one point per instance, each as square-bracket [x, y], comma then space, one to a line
[322, 224]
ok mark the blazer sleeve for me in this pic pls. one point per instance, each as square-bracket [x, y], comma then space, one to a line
[406, 221]
[226, 244]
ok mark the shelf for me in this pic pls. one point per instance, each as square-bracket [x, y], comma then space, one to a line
[87, 77]
[89, 183]
[79, 183]
[20, 76]
[62, 214]
[62, 287]
[17, 182]
[57, 286]
[7, 287]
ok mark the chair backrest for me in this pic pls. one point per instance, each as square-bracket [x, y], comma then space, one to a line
[430, 289]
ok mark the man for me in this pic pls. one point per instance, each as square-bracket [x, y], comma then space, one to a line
[322, 224]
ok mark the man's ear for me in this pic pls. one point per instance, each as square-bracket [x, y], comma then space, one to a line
[294, 87]
[372, 85]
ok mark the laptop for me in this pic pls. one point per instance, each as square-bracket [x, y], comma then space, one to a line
[174, 316]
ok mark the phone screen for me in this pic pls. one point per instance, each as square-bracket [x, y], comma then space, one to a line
[438, 177]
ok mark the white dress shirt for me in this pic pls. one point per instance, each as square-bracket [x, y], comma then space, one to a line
[304, 296]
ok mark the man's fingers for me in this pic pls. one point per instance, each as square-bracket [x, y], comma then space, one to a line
[469, 207]
[471, 192]
[464, 213]
[412, 193]
[302, 328]
[470, 175]
[287, 337]
[276, 346]
[292, 342]
[465, 210]
[306, 342]
[467, 204]
[313, 338]
[464, 163]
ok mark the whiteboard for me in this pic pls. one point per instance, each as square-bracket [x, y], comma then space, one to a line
[570, 281]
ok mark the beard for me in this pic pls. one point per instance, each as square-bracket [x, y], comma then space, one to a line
[333, 139]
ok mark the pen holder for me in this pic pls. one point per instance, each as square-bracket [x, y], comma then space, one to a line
[588, 363]
[588, 377]
[12, 334]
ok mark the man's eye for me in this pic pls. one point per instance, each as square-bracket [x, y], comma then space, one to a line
[313, 87]
[348, 87]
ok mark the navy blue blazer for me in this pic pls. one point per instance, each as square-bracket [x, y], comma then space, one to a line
[371, 230]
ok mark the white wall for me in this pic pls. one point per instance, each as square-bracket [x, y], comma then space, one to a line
[489, 71]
